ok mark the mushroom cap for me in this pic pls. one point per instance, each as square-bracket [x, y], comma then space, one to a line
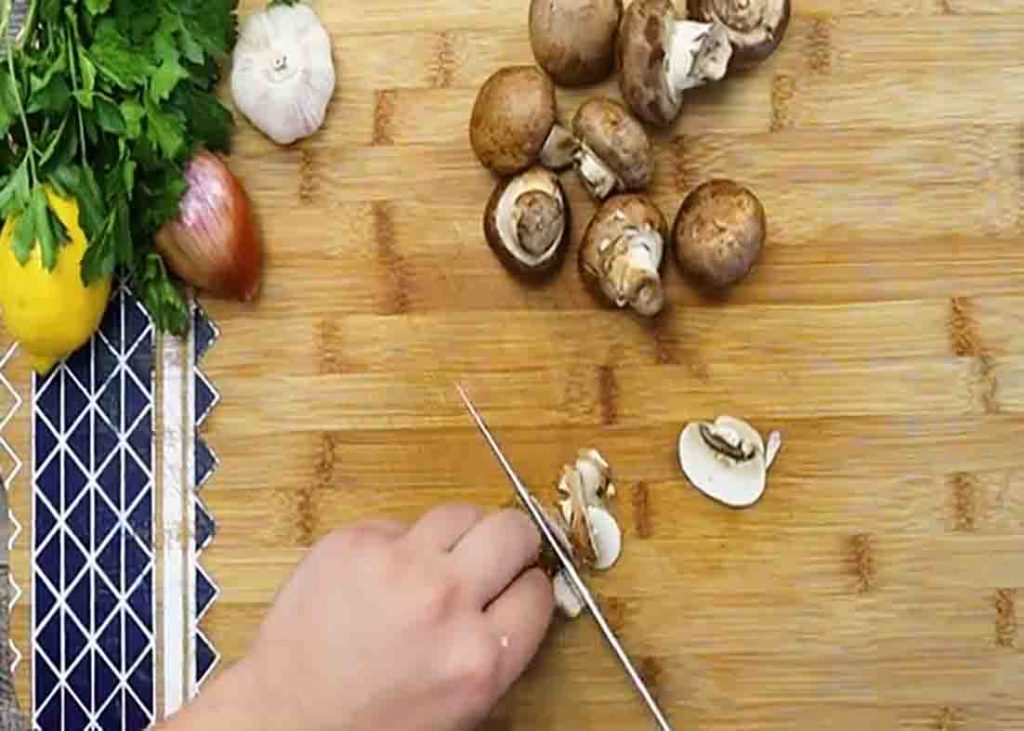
[755, 27]
[574, 40]
[719, 233]
[616, 137]
[642, 51]
[543, 216]
[512, 118]
[736, 483]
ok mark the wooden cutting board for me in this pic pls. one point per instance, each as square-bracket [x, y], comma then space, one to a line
[876, 584]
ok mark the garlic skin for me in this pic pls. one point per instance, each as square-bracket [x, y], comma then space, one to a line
[283, 75]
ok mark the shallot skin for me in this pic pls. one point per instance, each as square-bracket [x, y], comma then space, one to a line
[214, 244]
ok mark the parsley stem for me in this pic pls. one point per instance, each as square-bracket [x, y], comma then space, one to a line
[71, 41]
[30, 149]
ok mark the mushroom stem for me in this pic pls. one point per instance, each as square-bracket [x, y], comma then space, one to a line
[632, 267]
[699, 52]
[560, 149]
[597, 177]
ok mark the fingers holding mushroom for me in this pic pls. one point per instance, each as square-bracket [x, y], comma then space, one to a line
[662, 55]
[527, 223]
[574, 40]
[514, 123]
[622, 252]
[754, 27]
[614, 152]
[719, 234]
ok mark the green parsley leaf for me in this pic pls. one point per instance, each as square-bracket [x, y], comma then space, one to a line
[109, 117]
[95, 7]
[117, 59]
[166, 78]
[24, 237]
[46, 236]
[133, 114]
[165, 129]
[161, 297]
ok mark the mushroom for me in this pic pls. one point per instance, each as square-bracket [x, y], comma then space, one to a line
[566, 599]
[527, 223]
[614, 153]
[574, 40]
[719, 233]
[622, 252]
[583, 524]
[661, 56]
[514, 124]
[754, 27]
[593, 532]
[725, 460]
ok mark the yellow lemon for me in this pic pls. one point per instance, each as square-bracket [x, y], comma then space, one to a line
[51, 313]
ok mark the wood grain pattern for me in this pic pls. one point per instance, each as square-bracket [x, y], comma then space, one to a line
[878, 583]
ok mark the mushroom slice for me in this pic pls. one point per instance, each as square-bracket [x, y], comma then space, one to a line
[514, 121]
[574, 40]
[566, 599]
[607, 538]
[622, 252]
[577, 515]
[614, 153]
[772, 449]
[527, 223]
[661, 56]
[754, 27]
[719, 233]
[725, 460]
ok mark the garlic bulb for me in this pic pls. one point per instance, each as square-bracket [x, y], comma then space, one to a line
[283, 76]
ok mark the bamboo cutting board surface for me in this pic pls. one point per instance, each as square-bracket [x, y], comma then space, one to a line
[876, 586]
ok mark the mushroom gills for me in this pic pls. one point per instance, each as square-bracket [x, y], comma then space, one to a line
[598, 178]
[700, 52]
[531, 220]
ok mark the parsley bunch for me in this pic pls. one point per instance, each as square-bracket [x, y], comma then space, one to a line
[106, 101]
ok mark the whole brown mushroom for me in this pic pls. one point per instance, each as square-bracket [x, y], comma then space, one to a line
[719, 234]
[527, 223]
[574, 40]
[662, 55]
[622, 252]
[614, 153]
[515, 124]
[754, 27]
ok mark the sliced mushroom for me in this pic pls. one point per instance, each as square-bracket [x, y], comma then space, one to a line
[754, 27]
[719, 233]
[574, 40]
[622, 252]
[566, 599]
[606, 536]
[661, 56]
[527, 223]
[614, 151]
[725, 460]
[514, 123]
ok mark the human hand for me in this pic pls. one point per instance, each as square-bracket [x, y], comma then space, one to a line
[385, 626]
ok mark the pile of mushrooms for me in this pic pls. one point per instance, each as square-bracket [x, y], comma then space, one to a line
[718, 235]
[516, 132]
[583, 523]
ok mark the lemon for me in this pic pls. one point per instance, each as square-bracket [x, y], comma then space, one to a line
[51, 313]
